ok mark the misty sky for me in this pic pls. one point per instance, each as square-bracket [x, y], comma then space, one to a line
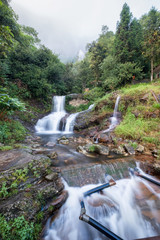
[66, 26]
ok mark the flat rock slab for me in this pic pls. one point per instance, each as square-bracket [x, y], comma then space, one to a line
[16, 157]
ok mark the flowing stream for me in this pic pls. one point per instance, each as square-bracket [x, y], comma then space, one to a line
[130, 208]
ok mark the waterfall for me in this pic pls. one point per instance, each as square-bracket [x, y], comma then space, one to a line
[70, 123]
[51, 123]
[114, 120]
[121, 208]
[55, 122]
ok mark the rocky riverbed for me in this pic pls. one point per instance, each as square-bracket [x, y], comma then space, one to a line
[31, 184]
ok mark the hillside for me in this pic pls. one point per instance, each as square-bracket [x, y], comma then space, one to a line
[138, 113]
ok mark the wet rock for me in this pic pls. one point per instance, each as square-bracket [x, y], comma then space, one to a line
[51, 177]
[50, 144]
[104, 138]
[140, 148]
[52, 155]
[37, 139]
[103, 150]
[155, 153]
[121, 149]
[129, 149]
[37, 145]
[82, 149]
[40, 151]
[117, 151]
[64, 142]
[57, 203]
[156, 167]
[93, 148]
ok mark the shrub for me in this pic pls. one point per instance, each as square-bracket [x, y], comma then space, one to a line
[18, 229]
[94, 94]
[8, 104]
[11, 132]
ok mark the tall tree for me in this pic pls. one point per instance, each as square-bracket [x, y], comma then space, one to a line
[151, 31]
[122, 35]
[98, 51]
[135, 42]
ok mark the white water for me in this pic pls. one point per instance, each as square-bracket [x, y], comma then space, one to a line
[70, 123]
[117, 209]
[51, 124]
[114, 120]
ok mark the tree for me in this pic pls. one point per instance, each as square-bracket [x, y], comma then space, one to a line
[151, 32]
[122, 49]
[98, 51]
[135, 43]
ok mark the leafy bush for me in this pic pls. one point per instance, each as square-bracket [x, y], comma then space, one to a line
[94, 94]
[127, 70]
[11, 132]
[18, 229]
[9, 104]
[111, 83]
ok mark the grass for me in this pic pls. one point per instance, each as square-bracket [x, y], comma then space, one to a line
[140, 88]
[147, 130]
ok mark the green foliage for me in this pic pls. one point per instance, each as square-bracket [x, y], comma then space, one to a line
[8, 104]
[4, 190]
[5, 148]
[111, 83]
[127, 71]
[151, 33]
[122, 35]
[94, 149]
[134, 145]
[11, 132]
[139, 128]
[19, 229]
[93, 94]
[21, 174]
[156, 106]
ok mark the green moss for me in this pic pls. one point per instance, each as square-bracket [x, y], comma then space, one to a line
[94, 149]
[6, 148]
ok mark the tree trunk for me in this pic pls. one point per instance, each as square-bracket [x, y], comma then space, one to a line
[152, 67]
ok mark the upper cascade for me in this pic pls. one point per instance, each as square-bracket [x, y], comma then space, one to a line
[58, 120]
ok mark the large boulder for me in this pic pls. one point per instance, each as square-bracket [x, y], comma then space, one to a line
[93, 149]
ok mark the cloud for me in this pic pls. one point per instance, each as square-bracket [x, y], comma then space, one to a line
[67, 26]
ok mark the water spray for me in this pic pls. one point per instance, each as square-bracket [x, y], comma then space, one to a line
[84, 217]
[136, 172]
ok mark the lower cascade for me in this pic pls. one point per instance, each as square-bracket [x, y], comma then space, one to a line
[123, 208]
[57, 121]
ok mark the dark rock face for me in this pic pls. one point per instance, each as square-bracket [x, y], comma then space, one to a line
[31, 190]
[31, 185]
